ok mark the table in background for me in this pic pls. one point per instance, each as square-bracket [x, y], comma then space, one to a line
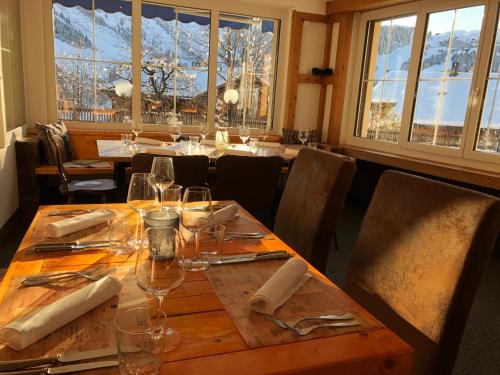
[211, 343]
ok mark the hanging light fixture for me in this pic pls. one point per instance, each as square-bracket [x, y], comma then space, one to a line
[123, 88]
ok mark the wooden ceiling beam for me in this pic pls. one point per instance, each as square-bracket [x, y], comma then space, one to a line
[341, 6]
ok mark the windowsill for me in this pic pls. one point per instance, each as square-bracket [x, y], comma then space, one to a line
[443, 170]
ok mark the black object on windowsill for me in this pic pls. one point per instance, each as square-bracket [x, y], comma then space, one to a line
[322, 72]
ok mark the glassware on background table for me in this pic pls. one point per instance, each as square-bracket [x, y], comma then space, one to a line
[194, 139]
[244, 134]
[175, 131]
[212, 242]
[162, 170]
[120, 231]
[264, 133]
[140, 340]
[185, 147]
[126, 139]
[204, 131]
[312, 145]
[173, 198]
[142, 197]
[303, 136]
[254, 145]
[160, 269]
[196, 215]
[137, 127]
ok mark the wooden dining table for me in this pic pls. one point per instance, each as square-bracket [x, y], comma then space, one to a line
[219, 334]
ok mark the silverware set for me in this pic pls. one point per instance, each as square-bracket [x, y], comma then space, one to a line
[74, 246]
[92, 275]
[228, 236]
[342, 320]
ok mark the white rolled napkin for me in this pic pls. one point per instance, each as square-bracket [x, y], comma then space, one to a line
[208, 142]
[280, 287]
[270, 144]
[25, 331]
[231, 151]
[74, 224]
[291, 151]
[225, 214]
[160, 151]
[148, 141]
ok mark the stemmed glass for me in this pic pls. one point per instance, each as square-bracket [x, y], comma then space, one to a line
[196, 215]
[162, 170]
[137, 127]
[175, 132]
[244, 134]
[142, 197]
[159, 269]
[264, 133]
[203, 131]
[303, 136]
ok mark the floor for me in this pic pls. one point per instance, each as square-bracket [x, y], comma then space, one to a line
[479, 352]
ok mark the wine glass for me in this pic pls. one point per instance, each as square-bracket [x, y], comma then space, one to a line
[244, 134]
[136, 127]
[162, 170]
[303, 136]
[203, 129]
[264, 133]
[196, 215]
[142, 197]
[175, 132]
[159, 269]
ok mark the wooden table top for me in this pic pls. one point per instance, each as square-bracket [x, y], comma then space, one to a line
[211, 343]
[112, 150]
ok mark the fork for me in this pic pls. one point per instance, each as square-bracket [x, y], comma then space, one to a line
[308, 330]
[305, 331]
[47, 279]
[250, 235]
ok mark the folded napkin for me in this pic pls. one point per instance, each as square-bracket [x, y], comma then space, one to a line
[270, 144]
[74, 224]
[160, 151]
[280, 287]
[148, 141]
[231, 151]
[208, 142]
[25, 331]
[225, 214]
[292, 151]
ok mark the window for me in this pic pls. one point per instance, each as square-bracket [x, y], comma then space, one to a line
[93, 55]
[488, 136]
[175, 53]
[246, 66]
[93, 48]
[426, 82]
[445, 76]
[384, 78]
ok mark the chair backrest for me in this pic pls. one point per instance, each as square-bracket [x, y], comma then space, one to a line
[251, 181]
[418, 260]
[190, 170]
[57, 144]
[312, 201]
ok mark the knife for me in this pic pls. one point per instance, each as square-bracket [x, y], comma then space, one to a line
[75, 245]
[58, 358]
[64, 369]
[250, 257]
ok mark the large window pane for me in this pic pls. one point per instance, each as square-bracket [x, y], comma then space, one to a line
[174, 72]
[445, 76]
[93, 44]
[488, 137]
[383, 83]
[246, 70]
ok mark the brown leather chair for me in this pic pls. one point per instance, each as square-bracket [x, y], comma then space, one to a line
[73, 188]
[312, 202]
[190, 170]
[252, 181]
[418, 260]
